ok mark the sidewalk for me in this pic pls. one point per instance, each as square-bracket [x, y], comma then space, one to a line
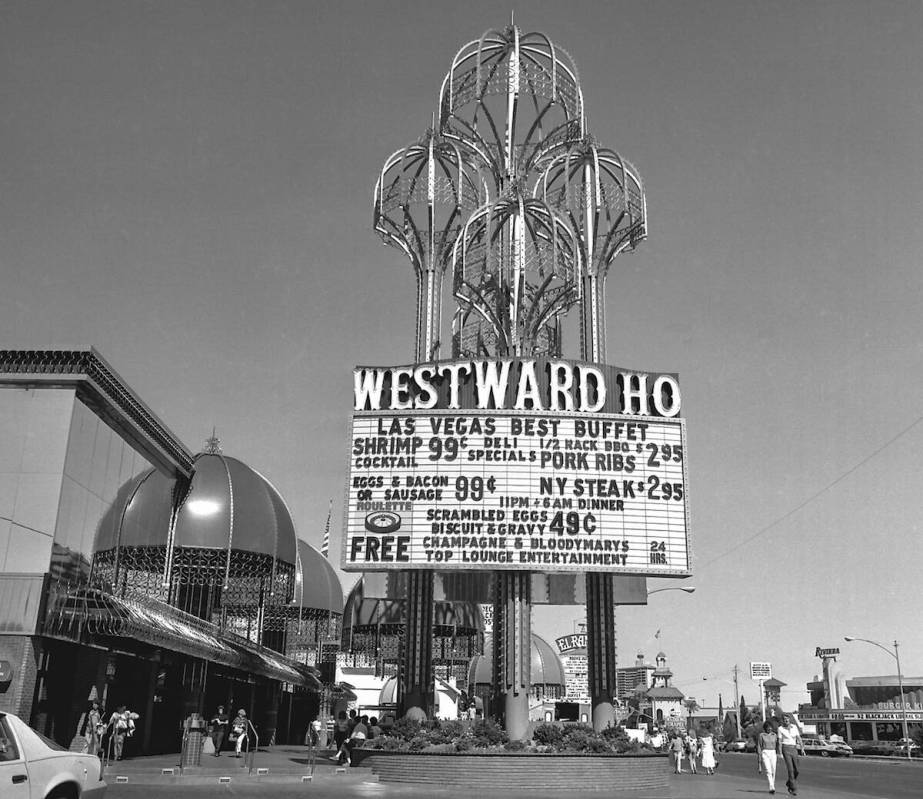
[270, 764]
[288, 765]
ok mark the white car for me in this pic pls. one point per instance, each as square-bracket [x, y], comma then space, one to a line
[818, 746]
[33, 767]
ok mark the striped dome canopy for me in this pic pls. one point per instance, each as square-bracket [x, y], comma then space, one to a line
[228, 505]
[317, 586]
[546, 667]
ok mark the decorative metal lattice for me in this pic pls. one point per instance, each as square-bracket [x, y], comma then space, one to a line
[421, 199]
[373, 636]
[512, 192]
[248, 593]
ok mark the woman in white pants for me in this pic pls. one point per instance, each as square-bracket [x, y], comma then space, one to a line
[239, 729]
[767, 747]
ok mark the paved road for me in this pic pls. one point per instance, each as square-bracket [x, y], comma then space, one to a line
[841, 777]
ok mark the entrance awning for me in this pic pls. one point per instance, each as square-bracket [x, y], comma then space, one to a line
[79, 613]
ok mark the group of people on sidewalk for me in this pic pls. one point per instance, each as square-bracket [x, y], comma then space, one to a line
[240, 728]
[775, 741]
[351, 732]
[107, 738]
[693, 748]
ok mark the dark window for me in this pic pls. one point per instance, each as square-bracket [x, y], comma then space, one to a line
[8, 748]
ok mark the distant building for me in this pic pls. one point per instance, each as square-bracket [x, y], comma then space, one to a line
[704, 718]
[630, 678]
[667, 708]
[657, 703]
[862, 708]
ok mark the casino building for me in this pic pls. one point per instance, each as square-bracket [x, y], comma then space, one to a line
[861, 708]
[135, 572]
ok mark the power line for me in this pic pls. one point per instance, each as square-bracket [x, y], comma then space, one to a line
[811, 498]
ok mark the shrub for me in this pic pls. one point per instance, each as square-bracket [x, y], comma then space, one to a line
[515, 746]
[614, 734]
[548, 734]
[486, 732]
[576, 738]
[390, 743]
[451, 729]
[405, 729]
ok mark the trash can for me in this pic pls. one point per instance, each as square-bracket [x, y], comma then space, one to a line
[194, 730]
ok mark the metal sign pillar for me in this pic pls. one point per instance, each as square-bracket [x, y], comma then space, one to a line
[416, 672]
[512, 650]
[600, 593]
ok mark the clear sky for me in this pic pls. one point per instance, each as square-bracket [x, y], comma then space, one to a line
[187, 187]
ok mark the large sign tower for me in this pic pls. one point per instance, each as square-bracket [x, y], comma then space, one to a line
[496, 452]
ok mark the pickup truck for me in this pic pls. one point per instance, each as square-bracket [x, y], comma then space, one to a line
[34, 767]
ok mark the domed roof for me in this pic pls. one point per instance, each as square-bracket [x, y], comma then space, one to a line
[140, 514]
[317, 586]
[388, 693]
[546, 667]
[228, 503]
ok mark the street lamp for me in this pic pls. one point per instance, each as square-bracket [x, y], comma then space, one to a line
[900, 681]
[689, 589]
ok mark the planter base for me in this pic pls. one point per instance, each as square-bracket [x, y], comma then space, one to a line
[523, 772]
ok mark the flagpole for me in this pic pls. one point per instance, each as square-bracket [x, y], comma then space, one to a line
[325, 544]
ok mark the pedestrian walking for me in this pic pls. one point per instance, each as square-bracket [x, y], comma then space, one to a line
[312, 741]
[219, 728]
[692, 753]
[340, 733]
[767, 749]
[240, 729]
[707, 747]
[121, 726]
[790, 744]
[676, 750]
[94, 729]
[357, 737]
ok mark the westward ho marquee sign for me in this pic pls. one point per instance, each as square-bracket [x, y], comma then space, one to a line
[534, 464]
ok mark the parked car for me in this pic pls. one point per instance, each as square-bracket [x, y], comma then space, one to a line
[845, 748]
[34, 767]
[818, 746]
[733, 746]
[904, 743]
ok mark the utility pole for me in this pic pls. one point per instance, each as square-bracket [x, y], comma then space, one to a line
[737, 703]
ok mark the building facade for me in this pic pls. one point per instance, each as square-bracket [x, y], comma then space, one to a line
[862, 708]
[128, 578]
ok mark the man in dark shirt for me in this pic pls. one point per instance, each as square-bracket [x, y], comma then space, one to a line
[219, 729]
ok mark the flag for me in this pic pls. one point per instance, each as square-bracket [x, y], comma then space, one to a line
[325, 546]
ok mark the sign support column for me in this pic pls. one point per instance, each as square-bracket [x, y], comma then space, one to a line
[601, 671]
[512, 648]
[417, 655]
